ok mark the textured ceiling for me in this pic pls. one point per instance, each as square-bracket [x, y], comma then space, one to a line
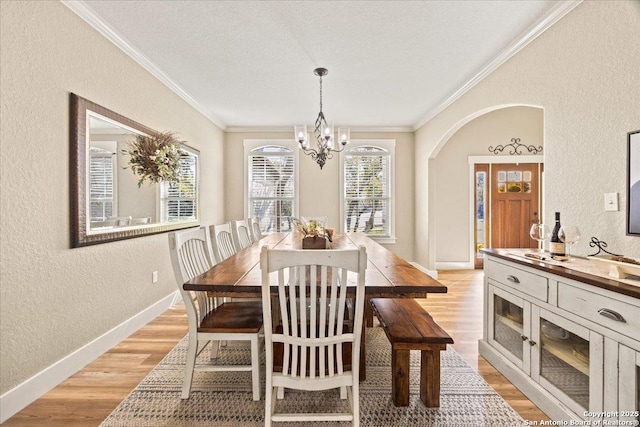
[250, 63]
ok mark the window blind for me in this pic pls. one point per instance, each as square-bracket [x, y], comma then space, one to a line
[367, 180]
[272, 187]
[101, 163]
[180, 198]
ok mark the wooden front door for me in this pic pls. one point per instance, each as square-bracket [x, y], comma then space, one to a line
[514, 192]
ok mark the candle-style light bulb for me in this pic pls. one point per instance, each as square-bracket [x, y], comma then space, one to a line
[344, 135]
[300, 133]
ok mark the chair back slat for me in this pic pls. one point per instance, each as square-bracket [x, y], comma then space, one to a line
[193, 255]
[222, 241]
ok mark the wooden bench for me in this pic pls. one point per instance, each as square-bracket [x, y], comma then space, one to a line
[409, 327]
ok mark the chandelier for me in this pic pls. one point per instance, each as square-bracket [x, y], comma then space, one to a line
[325, 139]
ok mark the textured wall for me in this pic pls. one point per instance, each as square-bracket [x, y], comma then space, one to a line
[55, 299]
[584, 73]
[452, 198]
[320, 189]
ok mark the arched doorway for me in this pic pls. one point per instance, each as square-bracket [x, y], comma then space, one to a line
[452, 201]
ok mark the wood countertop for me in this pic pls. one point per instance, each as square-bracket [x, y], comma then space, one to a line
[580, 269]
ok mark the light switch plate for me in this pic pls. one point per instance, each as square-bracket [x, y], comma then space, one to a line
[611, 201]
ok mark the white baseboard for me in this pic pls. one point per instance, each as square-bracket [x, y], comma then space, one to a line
[30, 390]
[455, 265]
[433, 274]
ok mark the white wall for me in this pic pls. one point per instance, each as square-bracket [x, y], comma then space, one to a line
[452, 199]
[55, 299]
[583, 72]
[320, 189]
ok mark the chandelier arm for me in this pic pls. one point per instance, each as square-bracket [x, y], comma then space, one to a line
[310, 152]
[335, 150]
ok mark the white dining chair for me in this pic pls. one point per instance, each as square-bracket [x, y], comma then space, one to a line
[241, 234]
[111, 222]
[222, 241]
[139, 221]
[254, 227]
[210, 319]
[314, 346]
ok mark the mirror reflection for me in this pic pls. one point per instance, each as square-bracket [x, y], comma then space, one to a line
[116, 199]
[111, 200]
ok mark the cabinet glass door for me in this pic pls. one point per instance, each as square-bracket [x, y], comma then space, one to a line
[629, 383]
[565, 360]
[509, 324]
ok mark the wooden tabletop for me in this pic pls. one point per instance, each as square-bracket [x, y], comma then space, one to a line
[387, 274]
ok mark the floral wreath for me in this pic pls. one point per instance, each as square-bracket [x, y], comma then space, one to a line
[156, 157]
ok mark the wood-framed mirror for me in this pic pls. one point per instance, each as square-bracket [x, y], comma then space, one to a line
[107, 204]
[633, 183]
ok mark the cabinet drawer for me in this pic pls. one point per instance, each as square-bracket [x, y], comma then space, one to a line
[523, 281]
[601, 310]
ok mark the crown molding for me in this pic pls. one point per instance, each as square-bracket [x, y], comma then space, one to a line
[83, 11]
[557, 13]
[259, 129]
[280, 129]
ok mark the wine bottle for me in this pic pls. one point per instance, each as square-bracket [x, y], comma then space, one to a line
[556, 247]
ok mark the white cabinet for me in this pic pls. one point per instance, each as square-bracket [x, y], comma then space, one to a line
[572, 349]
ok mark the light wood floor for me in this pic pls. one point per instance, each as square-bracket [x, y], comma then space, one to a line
[88, 397]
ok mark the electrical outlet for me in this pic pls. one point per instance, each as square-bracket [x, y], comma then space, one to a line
[154, 277]
[611, 201]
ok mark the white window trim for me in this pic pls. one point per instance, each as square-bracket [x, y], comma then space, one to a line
[252, 144]
[390, 146]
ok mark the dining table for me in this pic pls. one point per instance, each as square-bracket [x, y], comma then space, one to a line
[387, 274]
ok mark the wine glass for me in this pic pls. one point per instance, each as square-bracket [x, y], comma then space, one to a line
[539, 232]
[569, 234]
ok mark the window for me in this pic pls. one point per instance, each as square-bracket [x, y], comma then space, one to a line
[271, 183]
[178, 200]
[367, 182]
[101, 184]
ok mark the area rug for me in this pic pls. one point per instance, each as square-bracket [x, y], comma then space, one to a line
[223, 399]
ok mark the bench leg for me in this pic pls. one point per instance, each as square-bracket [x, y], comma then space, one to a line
[430, 378]
[368, 313]
[400, 377]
